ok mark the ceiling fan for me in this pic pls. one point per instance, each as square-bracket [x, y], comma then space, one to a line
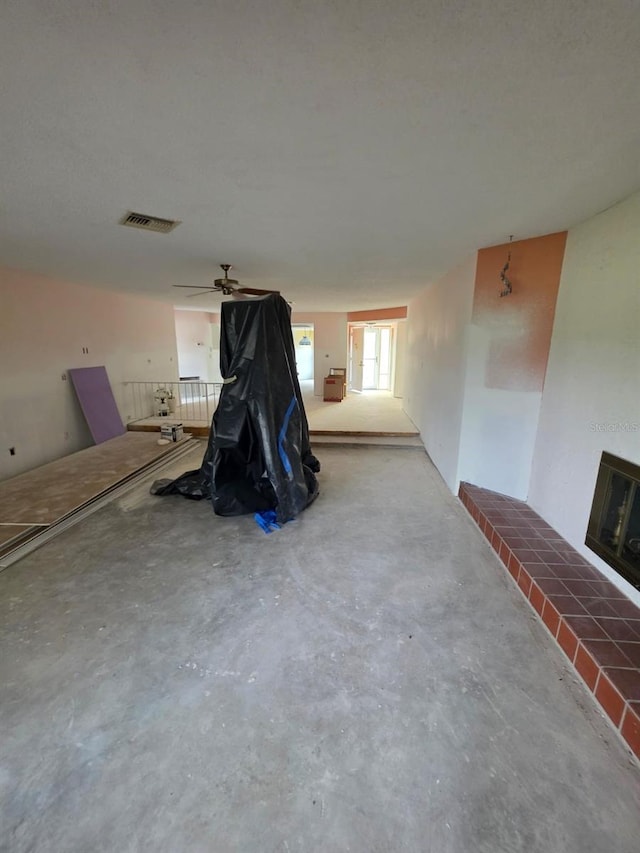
[227, 286]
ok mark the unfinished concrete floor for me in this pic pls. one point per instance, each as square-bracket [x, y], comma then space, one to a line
[366, 679]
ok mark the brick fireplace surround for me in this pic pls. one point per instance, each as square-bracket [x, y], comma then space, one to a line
[594, 624]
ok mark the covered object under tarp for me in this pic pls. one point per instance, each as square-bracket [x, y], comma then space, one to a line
[258, 456]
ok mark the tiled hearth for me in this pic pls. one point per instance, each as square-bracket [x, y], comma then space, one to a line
[596, 626]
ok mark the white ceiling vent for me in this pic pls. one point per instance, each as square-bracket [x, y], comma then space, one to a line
[149, 223]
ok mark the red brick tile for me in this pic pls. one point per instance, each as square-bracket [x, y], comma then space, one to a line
[551, 557]
[567, 605]
[585, 571]
[513, 541]
[527, 555]
[564, 570]
[536, 597]
[624, 608]
[605, 589]
[618, 629]
[634, 627]
[607, 653]
[550, 617]
[554, 557]
[524, 582]
[586, 628]
[610, 699]
[504, 554]
[626, 682]
[567, 640]
[543, 528]
[630, 728]
[580, 588]
[537, 543]
[632, 652]
[552, 586]
[539, 570]
[514, 567]
[598, 607]
[496, 541]
[586, 666]
[565, 549]
[497, 516]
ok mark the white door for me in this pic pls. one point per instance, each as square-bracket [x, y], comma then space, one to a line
[377, 358]
[356, 364]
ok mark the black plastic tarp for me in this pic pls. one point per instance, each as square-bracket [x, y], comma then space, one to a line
[258, 456]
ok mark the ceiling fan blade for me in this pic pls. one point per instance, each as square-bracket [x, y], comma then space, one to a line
[196, 286]
[254, 291]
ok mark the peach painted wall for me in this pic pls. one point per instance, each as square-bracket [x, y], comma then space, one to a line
[44, 325]
[198, 342]
[329, 344]
[519, 324]
[508, 350]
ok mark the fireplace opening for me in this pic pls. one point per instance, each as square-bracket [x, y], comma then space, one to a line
[614, 524]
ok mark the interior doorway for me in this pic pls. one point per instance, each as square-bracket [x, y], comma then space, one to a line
[377, 355]
[371, 357]
[303, 344]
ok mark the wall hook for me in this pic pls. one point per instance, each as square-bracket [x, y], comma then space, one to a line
[506, 282]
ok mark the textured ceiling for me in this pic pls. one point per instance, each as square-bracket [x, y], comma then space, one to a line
[345, 151]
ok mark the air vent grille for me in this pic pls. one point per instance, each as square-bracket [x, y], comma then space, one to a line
[149, 223]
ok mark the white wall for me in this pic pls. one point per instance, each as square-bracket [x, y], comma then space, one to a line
[507, 354]
[198, 342]
[435, 365]
[44, 325]
[329, 343]
[499, 426]
[399, 358]
[592, 387]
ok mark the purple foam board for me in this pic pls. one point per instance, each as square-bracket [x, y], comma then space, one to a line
[97, 402]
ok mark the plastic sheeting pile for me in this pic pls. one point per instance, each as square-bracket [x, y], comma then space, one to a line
[258, 457]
